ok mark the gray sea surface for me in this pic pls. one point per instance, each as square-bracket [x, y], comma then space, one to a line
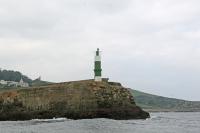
[158, 123]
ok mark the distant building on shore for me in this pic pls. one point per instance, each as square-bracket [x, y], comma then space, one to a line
[3, 82]
[21, 83]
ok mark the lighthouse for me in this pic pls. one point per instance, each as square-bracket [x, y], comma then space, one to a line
[97, 66]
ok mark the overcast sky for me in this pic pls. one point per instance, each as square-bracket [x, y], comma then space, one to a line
[148, 45]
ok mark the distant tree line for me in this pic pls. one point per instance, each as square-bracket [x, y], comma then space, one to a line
[9, 75]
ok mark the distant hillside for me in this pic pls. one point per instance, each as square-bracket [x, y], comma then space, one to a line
[40, 83]
[151, 102]
[9, 75]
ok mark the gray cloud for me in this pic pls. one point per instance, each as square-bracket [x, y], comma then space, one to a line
[148, 45]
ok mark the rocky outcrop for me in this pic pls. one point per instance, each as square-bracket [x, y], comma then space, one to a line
[73, 100]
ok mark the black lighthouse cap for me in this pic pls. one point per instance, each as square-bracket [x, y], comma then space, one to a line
[97, 52]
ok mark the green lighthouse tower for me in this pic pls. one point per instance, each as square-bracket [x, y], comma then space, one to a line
[97, 66]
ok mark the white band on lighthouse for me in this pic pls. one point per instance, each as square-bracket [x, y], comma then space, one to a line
[97, 58]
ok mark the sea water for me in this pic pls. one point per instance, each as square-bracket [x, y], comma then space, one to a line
[158, 123]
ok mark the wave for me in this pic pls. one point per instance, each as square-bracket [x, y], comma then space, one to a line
[49, 120]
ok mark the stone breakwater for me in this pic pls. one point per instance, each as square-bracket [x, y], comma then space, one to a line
[73, 100]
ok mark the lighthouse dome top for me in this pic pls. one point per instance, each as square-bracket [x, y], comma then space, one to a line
[97, 52]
